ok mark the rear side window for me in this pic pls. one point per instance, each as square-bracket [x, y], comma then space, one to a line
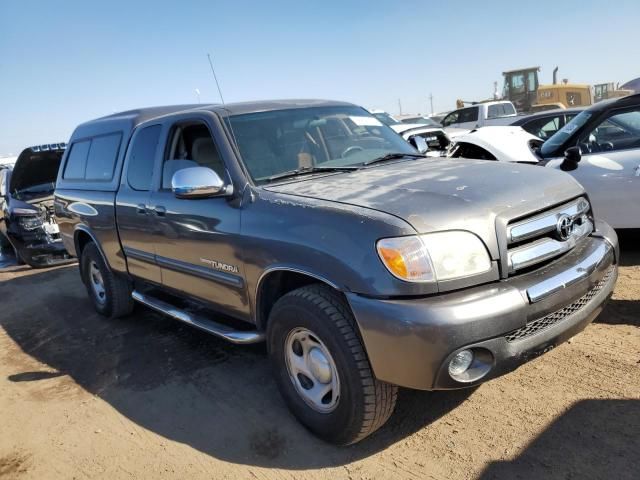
[77, 161]
[93, 159]
[143, 153]
[500, 110]
[102, 157]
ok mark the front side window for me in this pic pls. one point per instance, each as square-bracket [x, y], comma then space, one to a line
[451, 119]
[469, 114]
[532, 82]
[272, 143]
[143, 153]
[544, 127]
[190, 145]
[618, 132]
[517, 83]
[561, 136]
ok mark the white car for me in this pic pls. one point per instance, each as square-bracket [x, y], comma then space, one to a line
[481, 115]
[600, 147]
[435, 137]
[507, 144]
[6, 162]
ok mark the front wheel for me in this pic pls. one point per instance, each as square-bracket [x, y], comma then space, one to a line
[322, 369]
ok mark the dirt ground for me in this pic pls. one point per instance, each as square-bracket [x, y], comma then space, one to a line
[145, 397]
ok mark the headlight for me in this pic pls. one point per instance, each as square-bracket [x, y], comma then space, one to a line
[30, 222]
[434, 256]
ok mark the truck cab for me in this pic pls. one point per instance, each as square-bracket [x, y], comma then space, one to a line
[480, 115]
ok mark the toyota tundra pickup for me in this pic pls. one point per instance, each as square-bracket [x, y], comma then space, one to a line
[308, 224]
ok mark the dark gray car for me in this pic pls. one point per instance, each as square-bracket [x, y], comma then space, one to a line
[311, 225]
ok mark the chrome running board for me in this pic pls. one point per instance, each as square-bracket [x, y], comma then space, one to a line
[219, 330]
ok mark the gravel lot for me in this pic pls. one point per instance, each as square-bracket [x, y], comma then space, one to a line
[145, 397]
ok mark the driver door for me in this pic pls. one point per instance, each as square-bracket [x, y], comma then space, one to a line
[196, 239]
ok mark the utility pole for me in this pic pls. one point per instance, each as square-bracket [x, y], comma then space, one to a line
[400, 106]
[198, 94]
[431, 102]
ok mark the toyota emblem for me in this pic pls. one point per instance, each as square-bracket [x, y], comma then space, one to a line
[564, 227]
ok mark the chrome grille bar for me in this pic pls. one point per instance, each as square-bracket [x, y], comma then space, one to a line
[545, 222]
[545, 248]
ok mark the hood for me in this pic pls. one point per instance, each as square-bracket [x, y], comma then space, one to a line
[403, 127]
[453, 132]
[507, 144]
[35, 166]
[435, 194]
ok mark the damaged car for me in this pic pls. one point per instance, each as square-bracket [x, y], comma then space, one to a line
[27, 223]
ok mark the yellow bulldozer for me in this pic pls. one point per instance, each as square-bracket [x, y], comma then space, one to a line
[522, 88]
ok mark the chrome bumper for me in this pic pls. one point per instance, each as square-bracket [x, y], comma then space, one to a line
[568, 277]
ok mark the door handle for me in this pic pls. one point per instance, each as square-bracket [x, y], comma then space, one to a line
[141, 209]
[159, 210]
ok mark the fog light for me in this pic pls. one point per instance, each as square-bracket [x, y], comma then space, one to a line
[460, 362]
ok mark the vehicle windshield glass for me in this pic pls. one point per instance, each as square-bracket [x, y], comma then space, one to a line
[386, 118]
[275, 142]
[562, 135]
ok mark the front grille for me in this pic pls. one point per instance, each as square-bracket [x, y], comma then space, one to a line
[534, 240]
[540, 324]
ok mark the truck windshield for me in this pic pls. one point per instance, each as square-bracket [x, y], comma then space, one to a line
[561, 136]
[275, 142]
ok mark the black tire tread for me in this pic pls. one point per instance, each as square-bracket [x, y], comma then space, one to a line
[380, 397]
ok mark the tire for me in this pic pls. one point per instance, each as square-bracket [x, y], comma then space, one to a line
[114, 299]
[363, 403]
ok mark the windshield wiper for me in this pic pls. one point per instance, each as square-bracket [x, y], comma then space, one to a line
[305, 171]
[393, 156]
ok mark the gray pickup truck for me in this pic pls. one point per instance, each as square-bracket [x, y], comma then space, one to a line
[310, 225]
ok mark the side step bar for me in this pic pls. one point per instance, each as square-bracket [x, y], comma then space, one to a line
[217, 329]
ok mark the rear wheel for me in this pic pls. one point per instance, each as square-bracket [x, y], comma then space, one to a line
[322, 369]
[110, 293]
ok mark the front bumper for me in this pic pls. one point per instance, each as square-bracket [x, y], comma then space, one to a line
[39, 251]
[411, 341]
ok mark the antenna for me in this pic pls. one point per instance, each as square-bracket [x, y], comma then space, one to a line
[215, 78]
[233, 134]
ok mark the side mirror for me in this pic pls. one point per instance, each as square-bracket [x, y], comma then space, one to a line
[572, 157]
[197, 182]
[420, 143]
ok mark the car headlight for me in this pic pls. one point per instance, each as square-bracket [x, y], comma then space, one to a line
[434, 256]
[30, 222]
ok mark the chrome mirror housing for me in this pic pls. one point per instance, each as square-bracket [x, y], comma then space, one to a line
[197, 182]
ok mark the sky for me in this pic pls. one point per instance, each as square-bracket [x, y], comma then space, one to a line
[66, 62]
